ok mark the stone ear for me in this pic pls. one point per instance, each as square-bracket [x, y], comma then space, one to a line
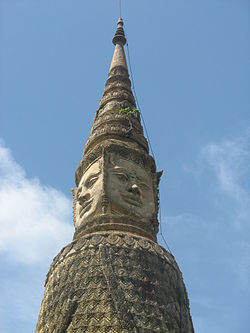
[74, 192]
[105, 198]
[158, 176]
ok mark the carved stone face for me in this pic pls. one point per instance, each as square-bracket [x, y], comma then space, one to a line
[130, 188]
[89, 193]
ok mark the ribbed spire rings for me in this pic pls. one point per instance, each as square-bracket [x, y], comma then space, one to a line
[119, 36]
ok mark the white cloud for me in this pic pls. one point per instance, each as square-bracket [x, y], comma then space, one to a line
[35, 220]
[230, 162]
[215, 239]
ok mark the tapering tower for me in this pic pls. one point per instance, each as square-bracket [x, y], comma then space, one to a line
[113, 276]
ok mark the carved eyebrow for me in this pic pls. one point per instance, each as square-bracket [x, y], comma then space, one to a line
[145, 184]
[118, 170]
[92, 175]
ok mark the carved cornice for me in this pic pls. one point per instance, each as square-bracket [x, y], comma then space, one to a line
[122, 149]
[120, 223]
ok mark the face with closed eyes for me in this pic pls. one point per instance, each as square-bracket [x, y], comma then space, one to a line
[89, 193]
[130, 188]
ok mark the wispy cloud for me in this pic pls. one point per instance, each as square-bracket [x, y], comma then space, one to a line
[229, 160]
[35, 220]
[215, 239]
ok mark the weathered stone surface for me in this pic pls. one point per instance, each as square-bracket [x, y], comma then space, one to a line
[114, 277]
[114, 283]
[114, 186]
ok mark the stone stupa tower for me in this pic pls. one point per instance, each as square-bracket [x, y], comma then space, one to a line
[114, 277]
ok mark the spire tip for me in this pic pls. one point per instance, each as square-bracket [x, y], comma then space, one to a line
[119, 36]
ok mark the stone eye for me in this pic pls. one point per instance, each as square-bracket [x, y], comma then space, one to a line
[122, 177]
[144, 186]
[90, 182]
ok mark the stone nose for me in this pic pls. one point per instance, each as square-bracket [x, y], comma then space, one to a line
[135, 189]
[83, 197]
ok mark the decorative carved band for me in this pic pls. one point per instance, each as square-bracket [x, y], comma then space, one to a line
[125, 240]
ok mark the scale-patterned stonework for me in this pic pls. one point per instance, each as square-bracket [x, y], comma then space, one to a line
[116, 283]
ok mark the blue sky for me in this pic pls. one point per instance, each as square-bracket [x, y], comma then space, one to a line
[191, 62]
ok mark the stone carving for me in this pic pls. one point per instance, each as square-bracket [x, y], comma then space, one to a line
[124, 149]
[114, 277]
[115, 185]
[130, 188]
[114, 283]
[88, 195]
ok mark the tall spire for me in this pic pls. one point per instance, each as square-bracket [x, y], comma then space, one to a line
[119, 36]
[117, 96]
[117, 130]
[119, 39]
[113, 276]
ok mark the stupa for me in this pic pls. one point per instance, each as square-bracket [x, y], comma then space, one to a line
[114, 277]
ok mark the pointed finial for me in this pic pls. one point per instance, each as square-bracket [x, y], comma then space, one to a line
[119, 36]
